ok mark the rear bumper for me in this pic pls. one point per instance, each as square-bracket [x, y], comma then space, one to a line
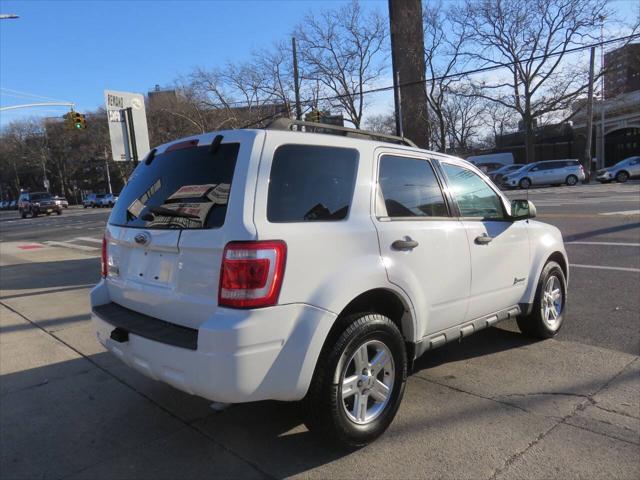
[241, 355]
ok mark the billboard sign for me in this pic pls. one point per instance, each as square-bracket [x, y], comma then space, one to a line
[124, 111]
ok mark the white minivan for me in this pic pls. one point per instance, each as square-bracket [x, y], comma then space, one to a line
[261, 264]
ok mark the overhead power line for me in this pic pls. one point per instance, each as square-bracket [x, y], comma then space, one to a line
[485, 69]
[243, 103]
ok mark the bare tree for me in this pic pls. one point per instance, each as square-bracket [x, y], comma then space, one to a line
[499, 118]
[463, 115]
[531, 39]
[341, 48]
[442, 48]
[382, 123]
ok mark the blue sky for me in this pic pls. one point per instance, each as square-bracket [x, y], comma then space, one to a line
[73, 50]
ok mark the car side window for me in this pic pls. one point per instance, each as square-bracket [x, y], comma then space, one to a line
[474, 197]
[410, 188]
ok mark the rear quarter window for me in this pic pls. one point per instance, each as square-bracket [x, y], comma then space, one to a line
[310, 183]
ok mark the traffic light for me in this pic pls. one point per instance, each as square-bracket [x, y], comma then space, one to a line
[75, 121]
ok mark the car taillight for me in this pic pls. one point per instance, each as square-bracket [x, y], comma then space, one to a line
[251, 273]
[104, 266]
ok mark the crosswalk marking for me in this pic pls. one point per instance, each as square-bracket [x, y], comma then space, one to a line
[603, 267]
[70, 245]
[622, 212]
[89, 239]
[615, 244]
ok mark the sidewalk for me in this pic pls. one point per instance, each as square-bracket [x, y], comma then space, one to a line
[492, 406]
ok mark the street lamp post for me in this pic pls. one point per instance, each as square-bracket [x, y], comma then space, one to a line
[602, 132]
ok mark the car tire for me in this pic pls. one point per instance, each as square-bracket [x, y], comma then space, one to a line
[547, 314]
[59, 212]
[23, 214]
[86, 206]
[571, 180]
[331, 414]
[525, 183]
[34, 214]
[622, 177]
[48, 213]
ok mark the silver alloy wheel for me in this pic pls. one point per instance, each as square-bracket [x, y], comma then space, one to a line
[572, 180]
[367, 382]
[525, 183]
[551, 307]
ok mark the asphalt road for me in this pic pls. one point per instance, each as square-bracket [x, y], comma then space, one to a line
[600, 225]
[493, 406]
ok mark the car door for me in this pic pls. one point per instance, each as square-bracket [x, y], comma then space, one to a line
[634, 167]
[499, 247]
[537, 174]
[559, 171]
[423, 247]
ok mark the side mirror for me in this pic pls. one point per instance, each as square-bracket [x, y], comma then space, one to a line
[522, 209]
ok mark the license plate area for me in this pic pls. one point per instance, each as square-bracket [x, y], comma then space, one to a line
[152, 268]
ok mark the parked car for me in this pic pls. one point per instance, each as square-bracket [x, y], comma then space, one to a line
[621, 171]
[93, 200]
[37, 203]
[4, 204]
[108, 200]
[549, 172]
[496, 175]
[488, 168]
[62, 201]
[322, 295]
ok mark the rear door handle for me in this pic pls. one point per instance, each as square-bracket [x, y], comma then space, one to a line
[483, 239]
[407, 243]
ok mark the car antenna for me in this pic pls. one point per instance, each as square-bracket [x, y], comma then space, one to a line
[215, 145]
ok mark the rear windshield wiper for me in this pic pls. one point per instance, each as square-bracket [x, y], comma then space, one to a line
[167, 212]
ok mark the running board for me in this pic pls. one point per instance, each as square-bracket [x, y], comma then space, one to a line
[463, 330]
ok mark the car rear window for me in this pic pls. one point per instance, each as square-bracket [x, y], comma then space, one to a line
[185, 189]
[311, 183]
[37, 197]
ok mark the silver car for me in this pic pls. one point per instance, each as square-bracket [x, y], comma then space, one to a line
[549, 172]
[621, 171]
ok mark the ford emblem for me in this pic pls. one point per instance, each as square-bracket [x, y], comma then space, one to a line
[142, 238]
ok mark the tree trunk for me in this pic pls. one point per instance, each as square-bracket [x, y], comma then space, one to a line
[529, 138]
[443, 134]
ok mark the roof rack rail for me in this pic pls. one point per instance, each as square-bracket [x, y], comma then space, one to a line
[288, 124]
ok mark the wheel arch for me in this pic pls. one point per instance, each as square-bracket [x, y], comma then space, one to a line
[383, 301]
[555, 256]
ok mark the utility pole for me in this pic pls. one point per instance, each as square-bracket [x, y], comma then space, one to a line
[587, 147]
[602, 132]
[398, 95]
[106, 167]
[296, 81]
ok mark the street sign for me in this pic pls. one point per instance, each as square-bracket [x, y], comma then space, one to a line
[127, 125]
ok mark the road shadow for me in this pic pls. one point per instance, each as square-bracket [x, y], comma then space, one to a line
[486, 342]
[601, 231]
[56, 274]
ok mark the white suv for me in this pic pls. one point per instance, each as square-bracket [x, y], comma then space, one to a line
[249, 265]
